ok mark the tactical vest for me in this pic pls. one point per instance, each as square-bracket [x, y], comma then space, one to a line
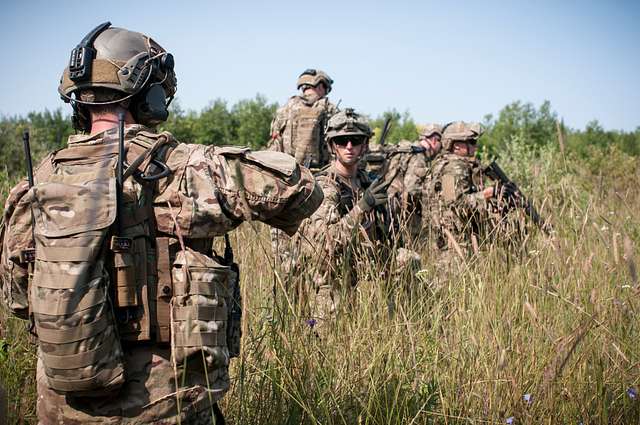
[443, 188]
[89, 295]
[303, 135]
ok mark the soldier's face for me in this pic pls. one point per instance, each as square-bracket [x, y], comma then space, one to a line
[464, 148]
[433, 142]
[349, 151]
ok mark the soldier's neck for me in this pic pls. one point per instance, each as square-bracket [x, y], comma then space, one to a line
[346, 170]
[107, 121]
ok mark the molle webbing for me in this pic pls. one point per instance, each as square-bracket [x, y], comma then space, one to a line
[164, 290]
[69, 293]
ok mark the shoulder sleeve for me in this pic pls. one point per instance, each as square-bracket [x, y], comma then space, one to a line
[212, 190]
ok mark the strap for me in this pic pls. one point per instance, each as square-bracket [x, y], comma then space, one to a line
[86, 151]
[60, 307]
[194, 312]
[60, 280]
[213, 289]
[201, 339]
[96, 381]
[74, 253]
[80, 360]
[164, 290]
[78, 333]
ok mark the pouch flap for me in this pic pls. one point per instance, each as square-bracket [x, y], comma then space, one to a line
[231, 151]
[273, 160]
[70, 204]
[193, 258]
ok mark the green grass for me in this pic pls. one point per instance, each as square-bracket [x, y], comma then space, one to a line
[555, 319]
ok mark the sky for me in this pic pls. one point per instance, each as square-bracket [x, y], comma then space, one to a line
[440, 61]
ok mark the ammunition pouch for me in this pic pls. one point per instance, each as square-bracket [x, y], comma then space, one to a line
[200, 309]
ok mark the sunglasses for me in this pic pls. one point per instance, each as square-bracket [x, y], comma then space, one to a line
[344, 141]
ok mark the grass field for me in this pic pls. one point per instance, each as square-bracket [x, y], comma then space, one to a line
[545, 333]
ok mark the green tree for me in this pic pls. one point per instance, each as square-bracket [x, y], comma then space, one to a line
[252, 119]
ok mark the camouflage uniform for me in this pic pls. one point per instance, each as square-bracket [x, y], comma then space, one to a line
[298, 126]
[410, 169]
[340, 229]
[459, 209]
[169, 338]
[210, 191]
[298, 130]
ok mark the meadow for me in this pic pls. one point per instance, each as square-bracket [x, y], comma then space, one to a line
[544, 331]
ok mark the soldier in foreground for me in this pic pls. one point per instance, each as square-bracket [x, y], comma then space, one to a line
[131, 306]
[460, 201]
[352, 218]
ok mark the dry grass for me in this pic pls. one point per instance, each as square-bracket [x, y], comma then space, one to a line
[555, 319]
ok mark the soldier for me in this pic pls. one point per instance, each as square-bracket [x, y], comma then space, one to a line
[298, 126]
[461, 202]
[131, 306]
[353, 213]
[409, 168]
[298, 130]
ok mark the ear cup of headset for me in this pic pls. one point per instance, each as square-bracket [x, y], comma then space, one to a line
[150, 107]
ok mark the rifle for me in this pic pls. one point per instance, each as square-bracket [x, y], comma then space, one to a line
[385, 131]
[378, 159]
[495, 173]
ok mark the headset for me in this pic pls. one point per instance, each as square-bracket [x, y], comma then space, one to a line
[142, 78]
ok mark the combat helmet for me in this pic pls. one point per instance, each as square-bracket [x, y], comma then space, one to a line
[347, 123]
[313, 77]
[117, 66]
[431, 129]
[460, 131]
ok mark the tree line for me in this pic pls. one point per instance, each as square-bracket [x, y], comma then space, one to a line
[247, 123]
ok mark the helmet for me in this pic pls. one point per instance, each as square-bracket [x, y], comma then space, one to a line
[118, 66]
[431, 129]
[460, 131]
[347, 123]
[313, 77]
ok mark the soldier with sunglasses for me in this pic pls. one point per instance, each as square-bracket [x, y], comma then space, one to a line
[352, 217]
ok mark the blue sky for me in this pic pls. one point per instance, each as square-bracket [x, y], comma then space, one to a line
[441, 61]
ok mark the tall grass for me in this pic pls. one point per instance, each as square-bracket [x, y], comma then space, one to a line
[546, 333]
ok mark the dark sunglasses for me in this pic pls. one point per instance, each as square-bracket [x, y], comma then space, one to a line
[344, 141]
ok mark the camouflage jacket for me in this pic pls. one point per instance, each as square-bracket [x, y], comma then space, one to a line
[339, 222]
[298, 129]
[410, 167]
[458, 203]
[207, 192]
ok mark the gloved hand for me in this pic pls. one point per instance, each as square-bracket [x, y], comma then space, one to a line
[376, 194]
[505, 191]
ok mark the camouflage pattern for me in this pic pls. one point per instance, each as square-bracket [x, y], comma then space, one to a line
[298, 129]
[338, 229]
[409, 167]
[458, 208]
[209, 192]
[313, 77]
[431, 129]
